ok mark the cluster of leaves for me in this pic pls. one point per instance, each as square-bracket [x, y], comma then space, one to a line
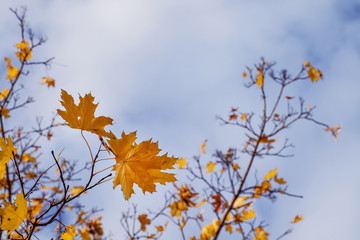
[44, 193]
[221, 193]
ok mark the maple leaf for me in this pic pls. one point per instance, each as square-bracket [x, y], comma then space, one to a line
[49, 81]
[13, 216]
[139, 163]
[82, 116]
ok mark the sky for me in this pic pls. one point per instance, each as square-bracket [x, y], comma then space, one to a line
[168, 68]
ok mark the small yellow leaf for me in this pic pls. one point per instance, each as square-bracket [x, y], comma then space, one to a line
[271, 174]
[159, 228]
[12, 71]
[181, 162]
[243, 116]
[49, 81]
[260, 78]
[4, 93]
[229, 228]
[239, 202]
[279, 180]
[235, 166]
[210, 167]
[69, 234]
[297, 218]
[76, 190]
[182, 224]
[244, 74]
[202, 146]
[201, 203]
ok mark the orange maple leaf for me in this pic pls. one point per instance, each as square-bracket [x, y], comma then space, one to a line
[139, 163]
[82, 116]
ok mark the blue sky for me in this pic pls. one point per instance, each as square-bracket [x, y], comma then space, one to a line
[167, 68]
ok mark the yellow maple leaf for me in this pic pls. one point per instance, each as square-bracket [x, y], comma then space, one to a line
[25, 51]
[139, 163]
[13, 216]
[49, 81]
[82, 116]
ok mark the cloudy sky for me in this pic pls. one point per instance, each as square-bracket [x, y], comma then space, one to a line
[167, 68]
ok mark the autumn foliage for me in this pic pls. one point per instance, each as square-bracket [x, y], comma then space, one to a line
[219, 198]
